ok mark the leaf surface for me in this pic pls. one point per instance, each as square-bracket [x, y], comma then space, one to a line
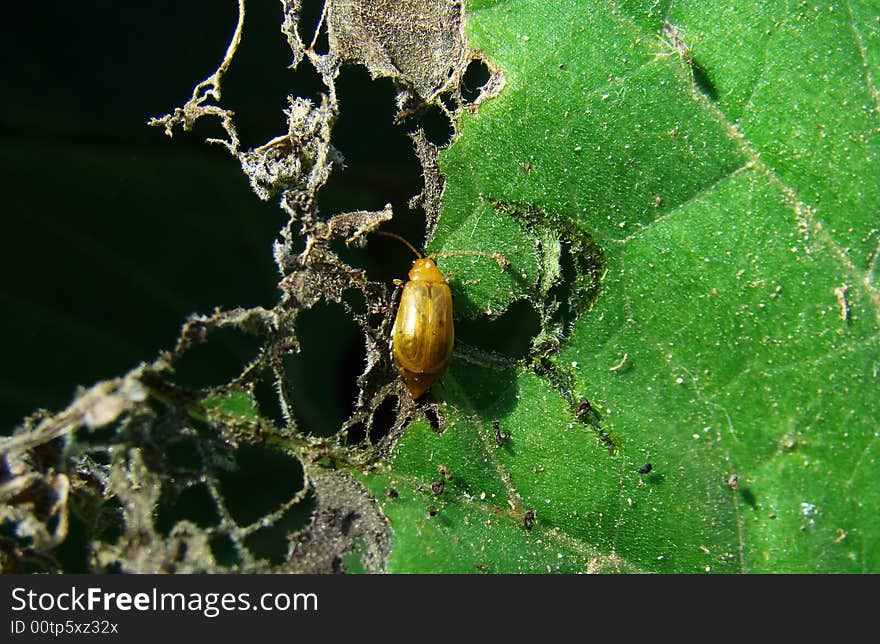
[718, 168]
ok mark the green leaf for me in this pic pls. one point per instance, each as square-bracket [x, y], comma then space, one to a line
[237, 404]
[688, 195]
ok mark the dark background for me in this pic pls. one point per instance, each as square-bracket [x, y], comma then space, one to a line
[112, 233]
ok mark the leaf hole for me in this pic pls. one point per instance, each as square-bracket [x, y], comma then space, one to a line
[218, 358]
[309, 28]
[224, 551]
[321, 384]
[449, 101]
[273, 542]
[474, 80]
[582, 264]
[433, 418]
[73, 553]
[380, 164]
[354, 301]
[356, 434]
[383, 419]
[194, 503]
[510, 334]
[436, 125]
[577, 277]
[259, 81]
[268, 401]
[183, 456]
[263, 479]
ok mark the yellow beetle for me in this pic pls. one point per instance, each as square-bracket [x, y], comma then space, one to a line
[423, 334]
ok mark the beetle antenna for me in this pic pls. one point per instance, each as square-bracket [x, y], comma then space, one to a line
[401, 240]
[500, 259]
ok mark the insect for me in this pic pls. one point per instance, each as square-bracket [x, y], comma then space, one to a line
[423, 335]
[496, 429]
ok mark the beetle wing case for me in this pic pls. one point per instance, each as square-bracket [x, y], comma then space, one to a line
[423, 334]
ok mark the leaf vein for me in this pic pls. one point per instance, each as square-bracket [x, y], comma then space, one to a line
[863, 52]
